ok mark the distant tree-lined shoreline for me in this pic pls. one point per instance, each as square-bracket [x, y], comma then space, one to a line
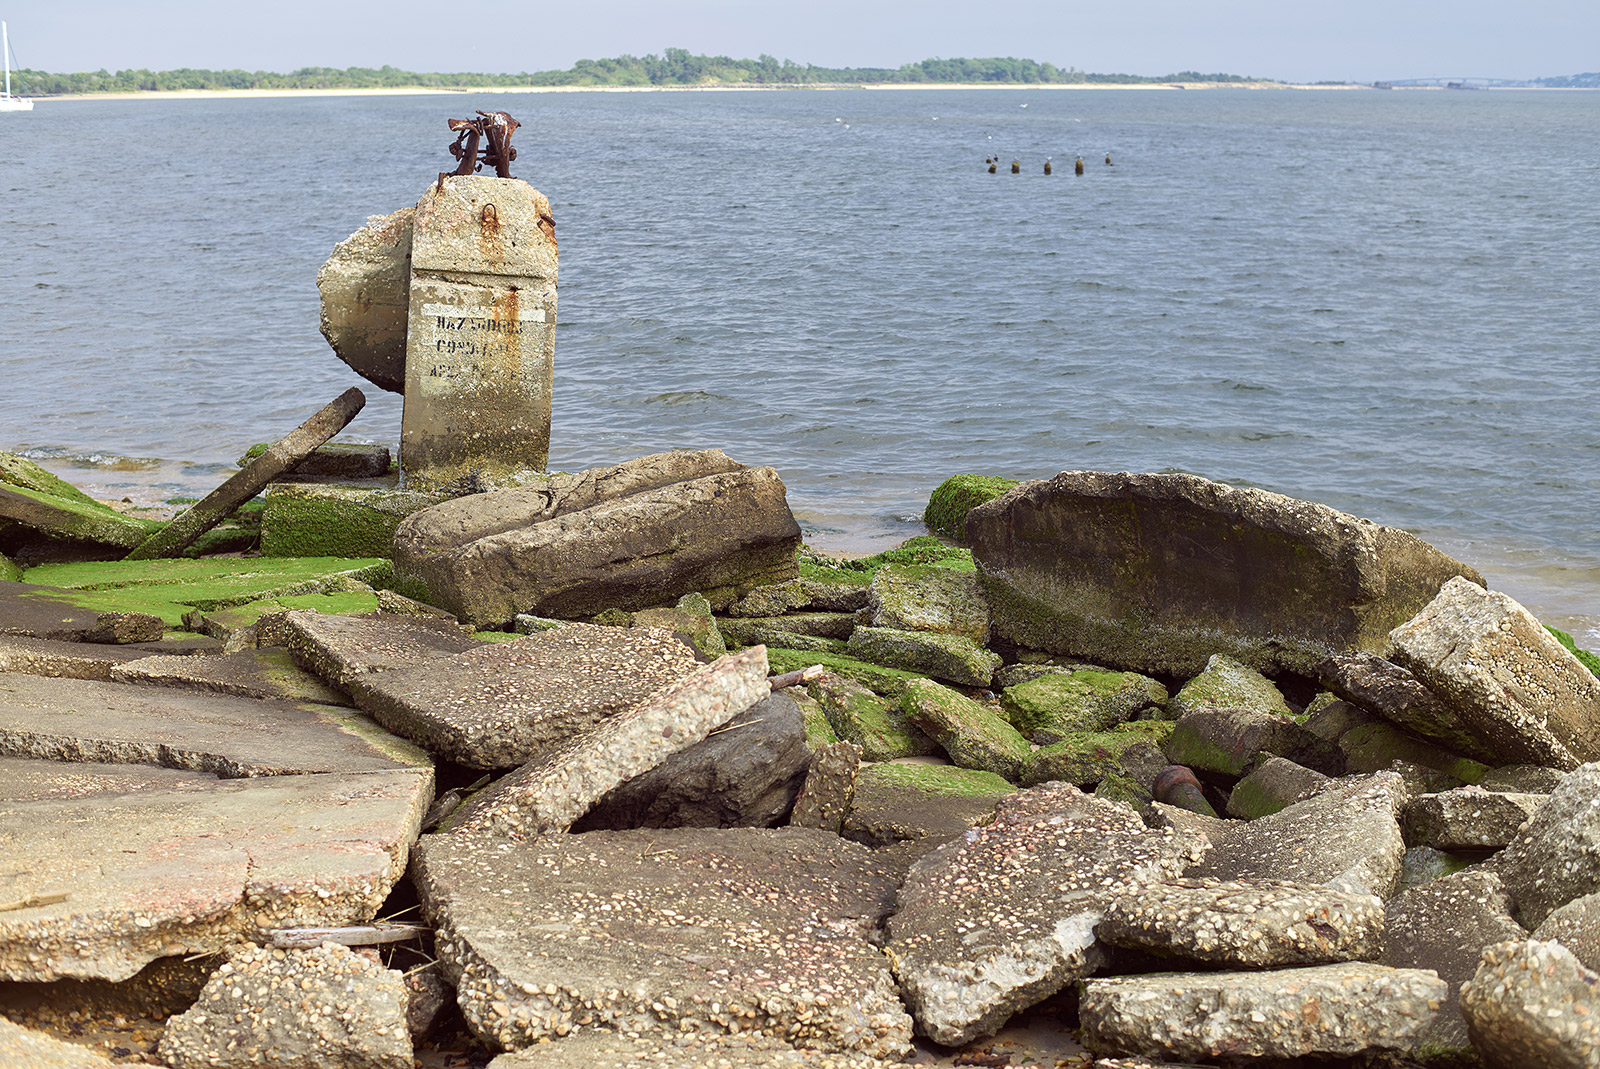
[676, 67]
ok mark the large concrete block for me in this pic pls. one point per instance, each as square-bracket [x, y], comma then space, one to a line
[364, 288]
[1158, 572]
[480, 340]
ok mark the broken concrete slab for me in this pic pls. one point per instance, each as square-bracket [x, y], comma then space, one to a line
[502, 705]
[364, 287]
[269, 674]
[340, 648]
[1271, 786]
[27, 1048]
[903, 809]
[310, 520]
[323, 1008]
[829, 788]
[745, 774]
[85, 720]
[1555, 856]
[1225, 683]
[972, 734]
[1445, 926]
[1156, 573]
[949, 657]
[66, 660]
[1532, 1003]
[968, 957]
[1056, 704]
[1085, 758]
[1509, 680]
[109, 867]
[922, 597]
[33, 611]
[551, 791]
[282, 455]
[1255, 924]
[98, 528]
[1394, 693]
[1346, 837]
[605, 1049]
[1342, 1009]
[725, 532]
[1576, 926]
[1228, 742]
[757, 930]
[347, 462]
[875, 724]
[1467, 818]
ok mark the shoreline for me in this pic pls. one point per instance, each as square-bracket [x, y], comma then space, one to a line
[222, 94]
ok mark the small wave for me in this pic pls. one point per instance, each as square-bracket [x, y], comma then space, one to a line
[685, 397]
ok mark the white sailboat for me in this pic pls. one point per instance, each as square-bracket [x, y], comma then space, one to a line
[9, 102]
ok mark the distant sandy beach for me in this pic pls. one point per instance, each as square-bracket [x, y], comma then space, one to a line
[217, 94]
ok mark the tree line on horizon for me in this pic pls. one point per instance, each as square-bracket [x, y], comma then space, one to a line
[676, 67]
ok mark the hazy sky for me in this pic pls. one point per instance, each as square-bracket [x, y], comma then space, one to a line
[1357, 40]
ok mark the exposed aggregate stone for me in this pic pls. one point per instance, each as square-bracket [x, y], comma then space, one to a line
[1533, 1003]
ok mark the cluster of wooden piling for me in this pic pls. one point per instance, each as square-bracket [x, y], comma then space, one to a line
[993, 163]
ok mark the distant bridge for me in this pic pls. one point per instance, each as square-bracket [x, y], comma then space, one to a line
[1457, 83]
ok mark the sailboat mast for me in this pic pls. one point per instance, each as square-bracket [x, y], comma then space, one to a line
[5, 46]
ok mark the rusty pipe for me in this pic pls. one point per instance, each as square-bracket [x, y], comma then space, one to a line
[1176, 785]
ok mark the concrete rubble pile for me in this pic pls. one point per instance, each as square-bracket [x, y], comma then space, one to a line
[624, 844]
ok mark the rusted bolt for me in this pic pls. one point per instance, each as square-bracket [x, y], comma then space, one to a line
[490, 216]
[1176, 785]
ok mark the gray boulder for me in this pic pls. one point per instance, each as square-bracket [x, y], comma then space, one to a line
[1531, 1003]
[635, 535]
[345, 1012]
[973, 734]
[921, 597]
[1347, 837]
[745, 774]
[968, 958]
[1053, 705]
[1511, 683]
[1257, 924]
[1555, 857]
[1445, 926]
[1272, 785]
[953, 658]
[669, 929]
[1227, 742]
[1158, 572]
[1342, 1009]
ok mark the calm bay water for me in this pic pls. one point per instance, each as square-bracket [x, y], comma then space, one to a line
[1381, 301]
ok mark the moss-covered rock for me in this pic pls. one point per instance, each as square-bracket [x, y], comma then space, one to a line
[692, 622]
[949, 657]
[958, 495]
[314, 520]
[1084, 758]
[1373, 747]
[76, 518]
[875, 724]
[9, 572]
[819, 732]
[1274, 784]
[926, 597]
[748, 633]
[19, 471]
[920, 804]
[1056, 705]
[816, 624]
[772, 600]
[889, 682]
[974, 735]
[923, 549]
[1124, 789]
[1229, 684]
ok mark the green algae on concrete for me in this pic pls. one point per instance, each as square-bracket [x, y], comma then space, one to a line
[691, 620]
[958, 495]
[875, 724]
[9, 572]
[20, 472]
[1585, 658]
[746, 633]
[171, 587]
[74, 519]
[819, 732]
[1083, 758]
[1057, 705]
[319, 520]
[1372, 747]
[1229, 684]
[889, 682]
[926, 597]
[949, 657]
[945, 781]
[972, 734]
